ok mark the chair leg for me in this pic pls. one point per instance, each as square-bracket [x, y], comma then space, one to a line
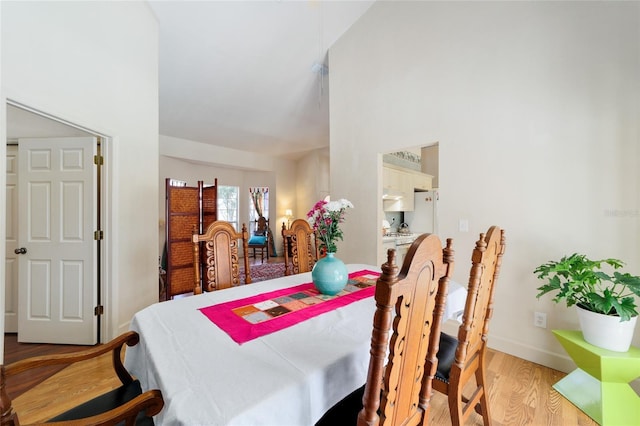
[458, 403]
[455, 406]
[460, 406]
[483, 406]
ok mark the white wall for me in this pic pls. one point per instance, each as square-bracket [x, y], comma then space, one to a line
[192, 161]
[535, 106]
[312, 183]
[96, 64]
[3, 191]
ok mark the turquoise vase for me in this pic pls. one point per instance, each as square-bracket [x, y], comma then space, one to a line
[329, 275]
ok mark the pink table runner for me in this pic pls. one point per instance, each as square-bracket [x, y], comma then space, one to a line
[252, 317]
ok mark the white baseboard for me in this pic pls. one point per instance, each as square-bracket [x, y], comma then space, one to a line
[560, 362]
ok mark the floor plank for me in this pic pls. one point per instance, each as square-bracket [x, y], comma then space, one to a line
[15, 351]
[66, 389]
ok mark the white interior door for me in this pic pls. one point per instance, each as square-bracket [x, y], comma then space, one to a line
[57, 282]
[11, 243]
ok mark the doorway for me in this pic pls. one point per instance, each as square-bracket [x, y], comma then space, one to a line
[410, 195]
[53, 206]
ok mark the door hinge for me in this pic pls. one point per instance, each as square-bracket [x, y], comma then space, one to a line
[98, 235]
[98, 310]
[98, 160]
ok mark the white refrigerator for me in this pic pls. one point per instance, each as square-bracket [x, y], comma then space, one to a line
[424, 217]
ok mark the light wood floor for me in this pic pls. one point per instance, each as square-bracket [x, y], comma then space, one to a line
[520, 394]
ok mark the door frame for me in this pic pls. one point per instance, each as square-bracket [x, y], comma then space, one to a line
[105, 190]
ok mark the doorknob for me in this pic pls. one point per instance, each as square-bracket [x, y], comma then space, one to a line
[21, 250]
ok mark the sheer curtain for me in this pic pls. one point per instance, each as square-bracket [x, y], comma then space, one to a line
[260, 200]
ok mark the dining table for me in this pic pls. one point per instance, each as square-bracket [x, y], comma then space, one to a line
[269, 353]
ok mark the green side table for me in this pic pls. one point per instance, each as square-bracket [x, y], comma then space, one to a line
[600, 385]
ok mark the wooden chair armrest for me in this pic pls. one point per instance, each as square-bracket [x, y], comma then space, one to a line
[151, 401]
[129, 338]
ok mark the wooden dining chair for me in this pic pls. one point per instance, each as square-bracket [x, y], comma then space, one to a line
[412, 301]
[260, 238]
[126, 404]
[463, 359]
[216, 257]
[300, 247]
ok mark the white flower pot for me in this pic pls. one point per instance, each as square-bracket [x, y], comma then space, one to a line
[606, 331]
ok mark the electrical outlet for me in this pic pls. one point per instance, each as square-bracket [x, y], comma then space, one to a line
[540, 319]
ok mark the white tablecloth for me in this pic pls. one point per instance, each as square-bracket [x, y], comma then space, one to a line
[290, 377]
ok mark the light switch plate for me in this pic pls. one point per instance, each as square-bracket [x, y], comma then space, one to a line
[463, 225]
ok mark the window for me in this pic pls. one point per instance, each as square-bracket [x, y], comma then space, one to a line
[228, 204]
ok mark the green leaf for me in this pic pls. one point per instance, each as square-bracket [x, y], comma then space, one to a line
[629, 281]
[554, 284]
[602, 303]
[609, 305]
[614, 262]
[627, 309]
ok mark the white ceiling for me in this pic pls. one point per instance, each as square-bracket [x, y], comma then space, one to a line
[241, 74]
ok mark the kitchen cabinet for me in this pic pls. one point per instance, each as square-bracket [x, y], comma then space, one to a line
[401, 243]
[387, 243]
[398, 185]
[422, 182]
[403, 204]
[394, 189]
[394, 179]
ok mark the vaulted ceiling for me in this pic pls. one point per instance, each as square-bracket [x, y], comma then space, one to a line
[249, 75]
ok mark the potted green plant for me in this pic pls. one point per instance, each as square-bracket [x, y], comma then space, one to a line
[598, 296]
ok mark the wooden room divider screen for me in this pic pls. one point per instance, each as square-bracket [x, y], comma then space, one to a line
[185, 208]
